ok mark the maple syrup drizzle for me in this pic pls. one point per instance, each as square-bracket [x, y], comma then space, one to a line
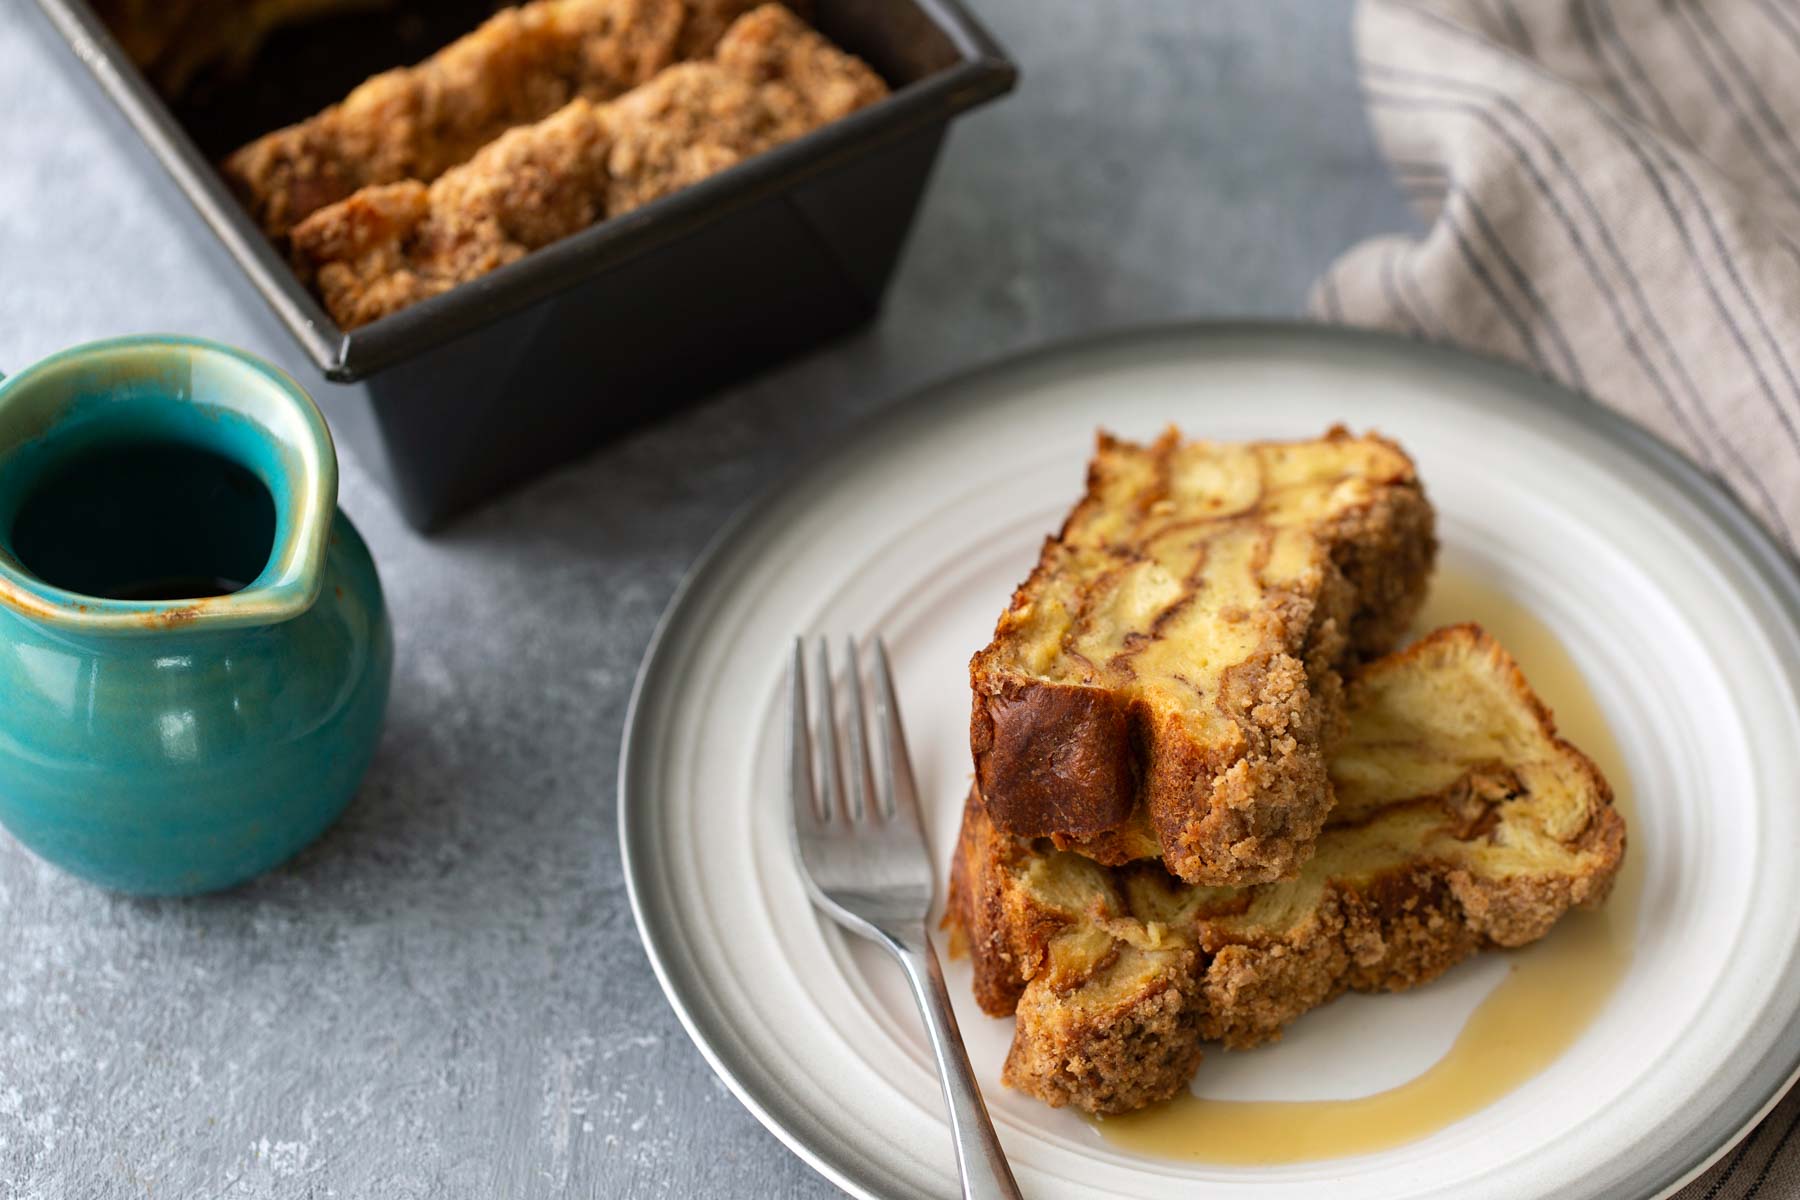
[1552, 993]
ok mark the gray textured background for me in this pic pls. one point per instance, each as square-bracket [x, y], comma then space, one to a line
[446, 997]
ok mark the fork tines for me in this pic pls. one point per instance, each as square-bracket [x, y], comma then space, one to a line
[866, 786]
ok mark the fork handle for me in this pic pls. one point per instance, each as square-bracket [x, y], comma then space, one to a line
[979, 1159]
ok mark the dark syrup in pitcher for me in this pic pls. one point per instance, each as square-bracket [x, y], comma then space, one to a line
[146, 521]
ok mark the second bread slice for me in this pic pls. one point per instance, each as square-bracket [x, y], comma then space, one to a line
[1464, 822]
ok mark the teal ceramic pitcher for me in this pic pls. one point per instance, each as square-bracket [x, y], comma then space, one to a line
[194, 650]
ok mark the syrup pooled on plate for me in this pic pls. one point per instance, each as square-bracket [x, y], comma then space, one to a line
[1555, 987]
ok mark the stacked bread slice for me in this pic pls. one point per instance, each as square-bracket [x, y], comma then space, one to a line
[1205, 802]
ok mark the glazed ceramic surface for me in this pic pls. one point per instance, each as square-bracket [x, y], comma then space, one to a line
[1677, 611]
[167, 746]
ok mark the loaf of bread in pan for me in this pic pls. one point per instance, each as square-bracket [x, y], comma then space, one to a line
[1166, 683]
[521, 65]
[1463, 822]
[771, 79]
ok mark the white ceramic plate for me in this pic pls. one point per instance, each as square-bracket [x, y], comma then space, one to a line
[1676, 608]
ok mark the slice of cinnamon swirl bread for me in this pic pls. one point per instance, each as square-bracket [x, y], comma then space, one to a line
[1463, 822]
[1166, 681]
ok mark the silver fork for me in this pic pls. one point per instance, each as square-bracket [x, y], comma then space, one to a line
[863, 855]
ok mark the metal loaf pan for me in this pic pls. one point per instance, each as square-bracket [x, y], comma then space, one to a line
[455, 399]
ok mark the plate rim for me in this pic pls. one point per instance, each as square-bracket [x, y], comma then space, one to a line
[1767, 558]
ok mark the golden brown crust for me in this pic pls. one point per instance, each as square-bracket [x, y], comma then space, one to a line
[771, 81]
[365, 269]
[1298, 557]
[1054, 759]
[1266, 792]
[1396, 933]
[1117, 975]
[417, 122]
[1140, 1051]
[539, 183]
[1005, 945]
[1385, 553]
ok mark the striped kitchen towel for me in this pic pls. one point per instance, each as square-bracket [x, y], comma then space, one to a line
[1611, 196]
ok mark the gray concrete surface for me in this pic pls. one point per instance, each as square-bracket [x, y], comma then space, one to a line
[446, 997]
